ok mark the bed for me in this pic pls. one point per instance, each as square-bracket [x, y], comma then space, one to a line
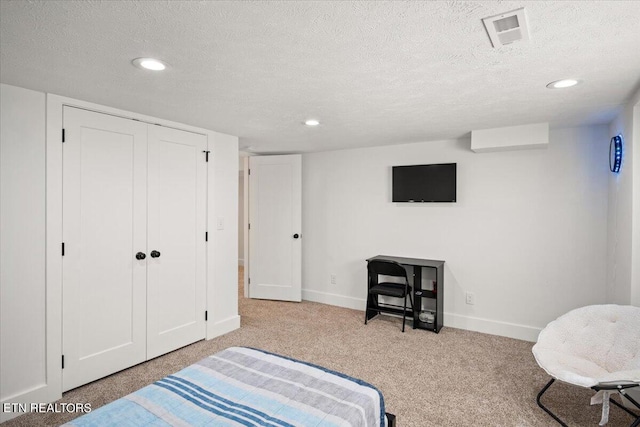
[243, 386]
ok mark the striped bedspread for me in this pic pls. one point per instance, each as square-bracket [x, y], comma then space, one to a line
[241, 386]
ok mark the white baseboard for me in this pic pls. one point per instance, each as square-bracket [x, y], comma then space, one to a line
[6, 416]
[334, 299]
[492, 327]
[223, 327]
[21, 403]
[451, 320]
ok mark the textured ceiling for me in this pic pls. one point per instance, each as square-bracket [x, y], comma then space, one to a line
[373, 73]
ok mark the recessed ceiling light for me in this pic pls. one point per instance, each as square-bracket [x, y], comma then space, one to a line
[149, 64]
[561, 84]
[312, 122]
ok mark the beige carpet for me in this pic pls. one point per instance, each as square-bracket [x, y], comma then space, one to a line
[454, 378]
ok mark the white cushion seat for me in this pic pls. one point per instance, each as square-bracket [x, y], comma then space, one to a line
[592, 346]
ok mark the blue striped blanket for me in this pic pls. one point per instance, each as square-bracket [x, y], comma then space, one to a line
[241, 386]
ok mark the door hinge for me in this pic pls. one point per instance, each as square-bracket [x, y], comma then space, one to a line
[62, 135]
[249, 171]
[205, 315]
[249, 226]
[62, 248]
[249, 279]
[206, 236]
[206, 155]
[63, 361]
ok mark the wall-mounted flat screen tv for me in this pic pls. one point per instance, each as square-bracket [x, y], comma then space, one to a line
[424, 183]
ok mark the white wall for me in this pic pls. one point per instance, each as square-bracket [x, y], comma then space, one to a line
[635, 259]
[623, 246]
[527, 235]
[23, 298]
[222, 294]
[619, 225]
[623, 282]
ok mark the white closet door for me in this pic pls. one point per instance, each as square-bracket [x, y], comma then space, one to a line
[177, 225]
[104, 226]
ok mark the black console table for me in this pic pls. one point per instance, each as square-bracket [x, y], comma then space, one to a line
[437, 294]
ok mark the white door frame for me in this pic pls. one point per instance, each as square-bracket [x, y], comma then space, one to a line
[245, 201]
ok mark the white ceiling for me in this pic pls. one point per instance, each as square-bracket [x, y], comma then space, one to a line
[373, 73]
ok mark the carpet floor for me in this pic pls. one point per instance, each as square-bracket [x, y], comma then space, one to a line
[454, 378]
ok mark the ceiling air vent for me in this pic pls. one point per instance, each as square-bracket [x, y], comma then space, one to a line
[507, 27]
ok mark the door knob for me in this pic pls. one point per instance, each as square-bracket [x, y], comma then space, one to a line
[155, 254]
[140, 255]
[295, 236]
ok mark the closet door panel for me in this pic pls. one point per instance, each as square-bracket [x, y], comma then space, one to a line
[176, 231]
[104, 226]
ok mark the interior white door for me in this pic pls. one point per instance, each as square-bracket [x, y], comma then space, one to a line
[176, 242]
[275, 218]
[104, 226]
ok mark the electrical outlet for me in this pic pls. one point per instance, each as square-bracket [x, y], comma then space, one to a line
[470, 298]
[333, 279]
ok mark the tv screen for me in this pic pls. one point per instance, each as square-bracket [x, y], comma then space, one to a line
[424, 183]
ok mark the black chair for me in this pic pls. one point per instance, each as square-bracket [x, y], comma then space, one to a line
[403, 290]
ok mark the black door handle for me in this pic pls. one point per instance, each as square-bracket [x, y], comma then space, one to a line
[155, 254]
[295, 236]
[140, 255]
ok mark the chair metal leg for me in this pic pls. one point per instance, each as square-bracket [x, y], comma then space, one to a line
[631, 399]
[622, 390]
[544, 389]
[366, 309]
[404, 311]
[636, 423]
[391, 419]
[411, 301]
[624, 408]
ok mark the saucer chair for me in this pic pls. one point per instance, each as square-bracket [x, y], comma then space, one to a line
[595, 347]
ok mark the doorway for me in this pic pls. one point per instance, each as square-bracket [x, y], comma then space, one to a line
[272, 238]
